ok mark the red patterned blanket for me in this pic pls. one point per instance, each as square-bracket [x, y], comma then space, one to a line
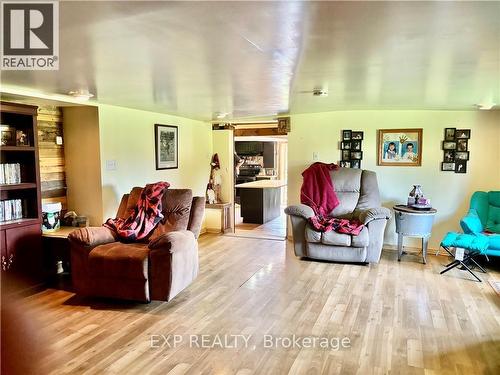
[146, 214]
[326, 224]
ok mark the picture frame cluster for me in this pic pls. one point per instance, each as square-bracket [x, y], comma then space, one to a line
[351, 149]
[455, 150]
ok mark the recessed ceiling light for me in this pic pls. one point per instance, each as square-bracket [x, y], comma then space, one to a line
[82, 95]
[220, 115]
[320, 92]
[485, 106]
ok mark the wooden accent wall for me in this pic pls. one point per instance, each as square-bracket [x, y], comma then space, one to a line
[52, 163]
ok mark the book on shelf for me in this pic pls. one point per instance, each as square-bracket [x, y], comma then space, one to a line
[10, 173]
[11, 209]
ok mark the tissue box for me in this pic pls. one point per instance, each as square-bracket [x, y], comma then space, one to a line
[51, 217]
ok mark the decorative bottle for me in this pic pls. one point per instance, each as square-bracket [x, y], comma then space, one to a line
[415, 194]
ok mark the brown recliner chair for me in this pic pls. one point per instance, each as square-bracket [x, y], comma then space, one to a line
[155, 269]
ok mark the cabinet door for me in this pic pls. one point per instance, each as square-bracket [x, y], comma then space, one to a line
[3, 257]
[24, 257]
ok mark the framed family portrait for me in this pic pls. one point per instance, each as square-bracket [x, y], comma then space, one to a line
[166, 146]
[400, 147]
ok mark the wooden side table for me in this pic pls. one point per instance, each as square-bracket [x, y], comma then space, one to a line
[56, 248]
[226, 224]
[411, 222]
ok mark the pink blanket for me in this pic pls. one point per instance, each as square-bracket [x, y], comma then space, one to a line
[318, 193]
[317, 189]
[146, 214]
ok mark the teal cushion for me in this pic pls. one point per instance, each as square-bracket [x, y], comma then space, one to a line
[494, 241]
[471, 222]
[480, 201]
[478, 242]
[494, 198]
[493, 223]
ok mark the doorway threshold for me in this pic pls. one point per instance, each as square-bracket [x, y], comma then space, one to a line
[257, 236]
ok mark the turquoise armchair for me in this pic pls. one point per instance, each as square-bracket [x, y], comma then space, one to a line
[483, 219]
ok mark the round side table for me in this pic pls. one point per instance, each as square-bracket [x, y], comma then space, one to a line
[411, 222]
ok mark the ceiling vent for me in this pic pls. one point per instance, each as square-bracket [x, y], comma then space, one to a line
[320, 92]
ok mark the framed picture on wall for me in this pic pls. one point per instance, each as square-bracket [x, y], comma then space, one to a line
[462, 155]
[462, 145]
[346, 155]
[461, 166]
[450, 167]
[345, 145]
[356, 145]
[356, 155]
[166, 146]
[449, 134]
[449, 156]
[463, 134]
[356, 164]
[449, 145]
[400, 147]
[357, 136]
[346, 135]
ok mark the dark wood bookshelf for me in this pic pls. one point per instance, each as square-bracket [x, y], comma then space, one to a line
[21, 186]
[18, 148]
[18, 223]
[21, 239]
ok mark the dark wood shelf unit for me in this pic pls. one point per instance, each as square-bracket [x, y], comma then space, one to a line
[21, 186]
[18, 148]
[18, 223]
[21, 265]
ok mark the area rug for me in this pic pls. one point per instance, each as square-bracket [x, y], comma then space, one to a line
[495, 284]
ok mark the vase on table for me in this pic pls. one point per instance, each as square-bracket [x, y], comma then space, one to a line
[415, 194]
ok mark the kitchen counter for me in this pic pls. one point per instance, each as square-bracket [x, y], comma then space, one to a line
[262, 184]
[260, 200]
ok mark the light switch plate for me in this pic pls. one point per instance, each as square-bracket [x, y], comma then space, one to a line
[111, 165]
[59, 140]
[315, 156]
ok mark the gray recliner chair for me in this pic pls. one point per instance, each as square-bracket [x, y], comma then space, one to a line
[359, 198]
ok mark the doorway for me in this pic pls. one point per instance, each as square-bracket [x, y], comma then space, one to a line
[260, 186]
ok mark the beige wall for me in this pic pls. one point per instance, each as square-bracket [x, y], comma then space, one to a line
[223, 145]
[127, 137]
[83, 165]
[449, 192]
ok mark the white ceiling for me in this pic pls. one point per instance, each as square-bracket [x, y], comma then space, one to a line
[264, 58]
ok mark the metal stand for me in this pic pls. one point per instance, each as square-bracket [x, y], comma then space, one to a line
[425, 242]
[469, 257]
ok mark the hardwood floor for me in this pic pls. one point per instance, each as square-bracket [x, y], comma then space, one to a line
[400, 317]
[274, 229]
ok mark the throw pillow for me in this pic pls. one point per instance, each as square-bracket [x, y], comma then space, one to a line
[471, 222]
